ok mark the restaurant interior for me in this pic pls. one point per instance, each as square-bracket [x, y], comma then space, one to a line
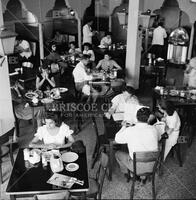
[79, 82]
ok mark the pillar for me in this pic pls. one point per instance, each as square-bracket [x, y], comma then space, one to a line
[6, 110]
[133, 53]
[41, 41]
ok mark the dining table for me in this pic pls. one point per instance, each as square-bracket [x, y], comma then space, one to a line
[49, 101]
[28, 180]
[106, 82]
[184, 100]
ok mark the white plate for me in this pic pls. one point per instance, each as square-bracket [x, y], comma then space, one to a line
[192, 92]
[71, 167]
[31, 95]
[47, 100]
[69, 157]
[61, 89]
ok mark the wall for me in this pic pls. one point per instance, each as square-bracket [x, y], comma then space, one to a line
[185, 5]
[6, 111]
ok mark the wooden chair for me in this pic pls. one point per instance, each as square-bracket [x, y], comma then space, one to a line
[59, 195]
[96, 184]
[144, 158]
[6, 147]
[106, 144]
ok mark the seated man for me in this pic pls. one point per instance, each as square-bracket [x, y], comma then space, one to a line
[106, 41]
[141, 137]
[123, 106]
[81, 77]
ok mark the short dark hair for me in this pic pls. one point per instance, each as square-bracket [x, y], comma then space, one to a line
[143, 114]
[168, 106]
[108, 53]
[85, 56]
[128, 89]
[87, 44]
[108, 33]
[53, 116]
[160, 23]
[72, 42]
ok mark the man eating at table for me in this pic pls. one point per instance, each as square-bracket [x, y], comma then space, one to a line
[139, 138]
[81, 74]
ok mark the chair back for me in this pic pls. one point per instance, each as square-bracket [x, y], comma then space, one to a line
[148, 161]
[101, 172]
[59, 195]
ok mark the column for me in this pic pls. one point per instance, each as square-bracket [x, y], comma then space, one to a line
[133, 53]
[41, 42]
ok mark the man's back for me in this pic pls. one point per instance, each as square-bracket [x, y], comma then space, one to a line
[159, 34]
[141, 137]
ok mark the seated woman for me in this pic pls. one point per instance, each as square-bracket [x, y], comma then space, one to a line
[88, 50]
[54, 57]
[21, 108]
[190, 74]
[52, 135]
[108, 63]
[172, 122]
[45, 80]
[73, 49]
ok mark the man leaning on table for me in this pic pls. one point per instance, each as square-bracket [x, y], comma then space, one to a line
[82, 76]
[141, 137]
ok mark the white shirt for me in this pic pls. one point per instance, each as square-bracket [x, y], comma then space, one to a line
[59, 139]
[25, 45]
[192, 78]
[80, 74]
[105, 41]
[87, 34]
[173, 122]
[159, 34]
[119, 102]
[141, 137]
[90, 53]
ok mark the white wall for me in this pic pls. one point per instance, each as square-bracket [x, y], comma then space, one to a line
[6, 111]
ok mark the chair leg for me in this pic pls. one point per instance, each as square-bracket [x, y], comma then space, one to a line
[178, 153]
[1, 176]
[132, 187]
[95, 155]
[153, 187]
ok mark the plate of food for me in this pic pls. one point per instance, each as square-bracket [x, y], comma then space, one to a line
[69, 157]
[47, 100]
[71, 167]
[31, 95]
[60, 89]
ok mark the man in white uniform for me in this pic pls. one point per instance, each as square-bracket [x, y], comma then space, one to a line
[159, 34]
[87, 32]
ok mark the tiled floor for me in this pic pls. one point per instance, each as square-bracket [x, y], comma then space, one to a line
[176, 182]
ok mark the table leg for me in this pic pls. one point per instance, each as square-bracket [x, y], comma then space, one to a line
[12, 197]
[110, 159]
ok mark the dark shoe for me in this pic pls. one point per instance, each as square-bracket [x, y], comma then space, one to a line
[128, 177]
